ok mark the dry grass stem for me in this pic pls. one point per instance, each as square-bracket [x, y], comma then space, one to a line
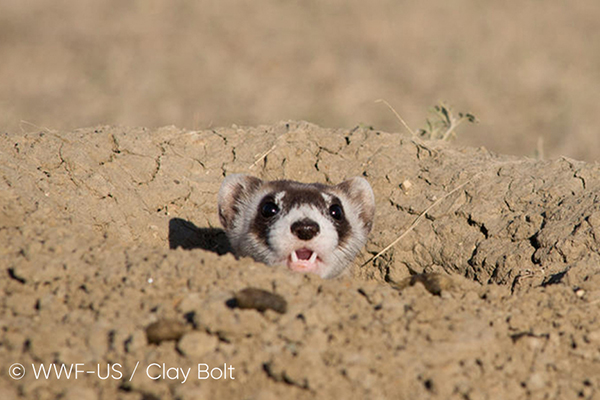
[259, 159]
[397, 115]
[418, 219]
[41, 128]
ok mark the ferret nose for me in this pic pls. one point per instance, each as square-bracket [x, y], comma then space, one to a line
[305, 229]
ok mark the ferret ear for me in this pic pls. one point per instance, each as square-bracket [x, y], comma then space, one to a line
[234, 189]
[360, 193]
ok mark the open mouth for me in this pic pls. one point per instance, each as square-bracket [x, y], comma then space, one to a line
[303, 260]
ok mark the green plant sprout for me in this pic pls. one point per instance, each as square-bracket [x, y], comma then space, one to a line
[444, 123]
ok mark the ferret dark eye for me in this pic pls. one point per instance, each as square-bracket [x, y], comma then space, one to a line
[269, 209]
[336, 211]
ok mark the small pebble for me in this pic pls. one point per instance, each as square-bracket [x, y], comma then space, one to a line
[406, 185]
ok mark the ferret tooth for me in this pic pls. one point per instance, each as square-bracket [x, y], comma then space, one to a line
[294, 256]
[313, 257]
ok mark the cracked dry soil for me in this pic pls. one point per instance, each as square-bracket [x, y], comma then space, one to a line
[106, 232]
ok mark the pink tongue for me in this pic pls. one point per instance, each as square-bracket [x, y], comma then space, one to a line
[303, 262]
[303, 254]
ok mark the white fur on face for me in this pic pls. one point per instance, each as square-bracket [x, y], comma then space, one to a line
[284, 242]
[333, 257]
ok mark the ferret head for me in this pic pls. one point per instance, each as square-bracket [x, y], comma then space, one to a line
[307, 227]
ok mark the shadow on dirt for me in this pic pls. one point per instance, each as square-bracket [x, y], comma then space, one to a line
[185, 234]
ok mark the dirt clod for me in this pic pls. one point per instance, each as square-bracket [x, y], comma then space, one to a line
[258, 299]
[435, 283]
[164, 330]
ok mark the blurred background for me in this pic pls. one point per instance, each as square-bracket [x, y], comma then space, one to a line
[528, 70]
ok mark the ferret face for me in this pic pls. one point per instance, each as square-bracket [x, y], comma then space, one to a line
[307, 227]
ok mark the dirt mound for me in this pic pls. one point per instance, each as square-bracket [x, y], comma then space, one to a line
[115, 266]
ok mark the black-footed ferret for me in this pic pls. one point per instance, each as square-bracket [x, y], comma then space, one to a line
[308, 227]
